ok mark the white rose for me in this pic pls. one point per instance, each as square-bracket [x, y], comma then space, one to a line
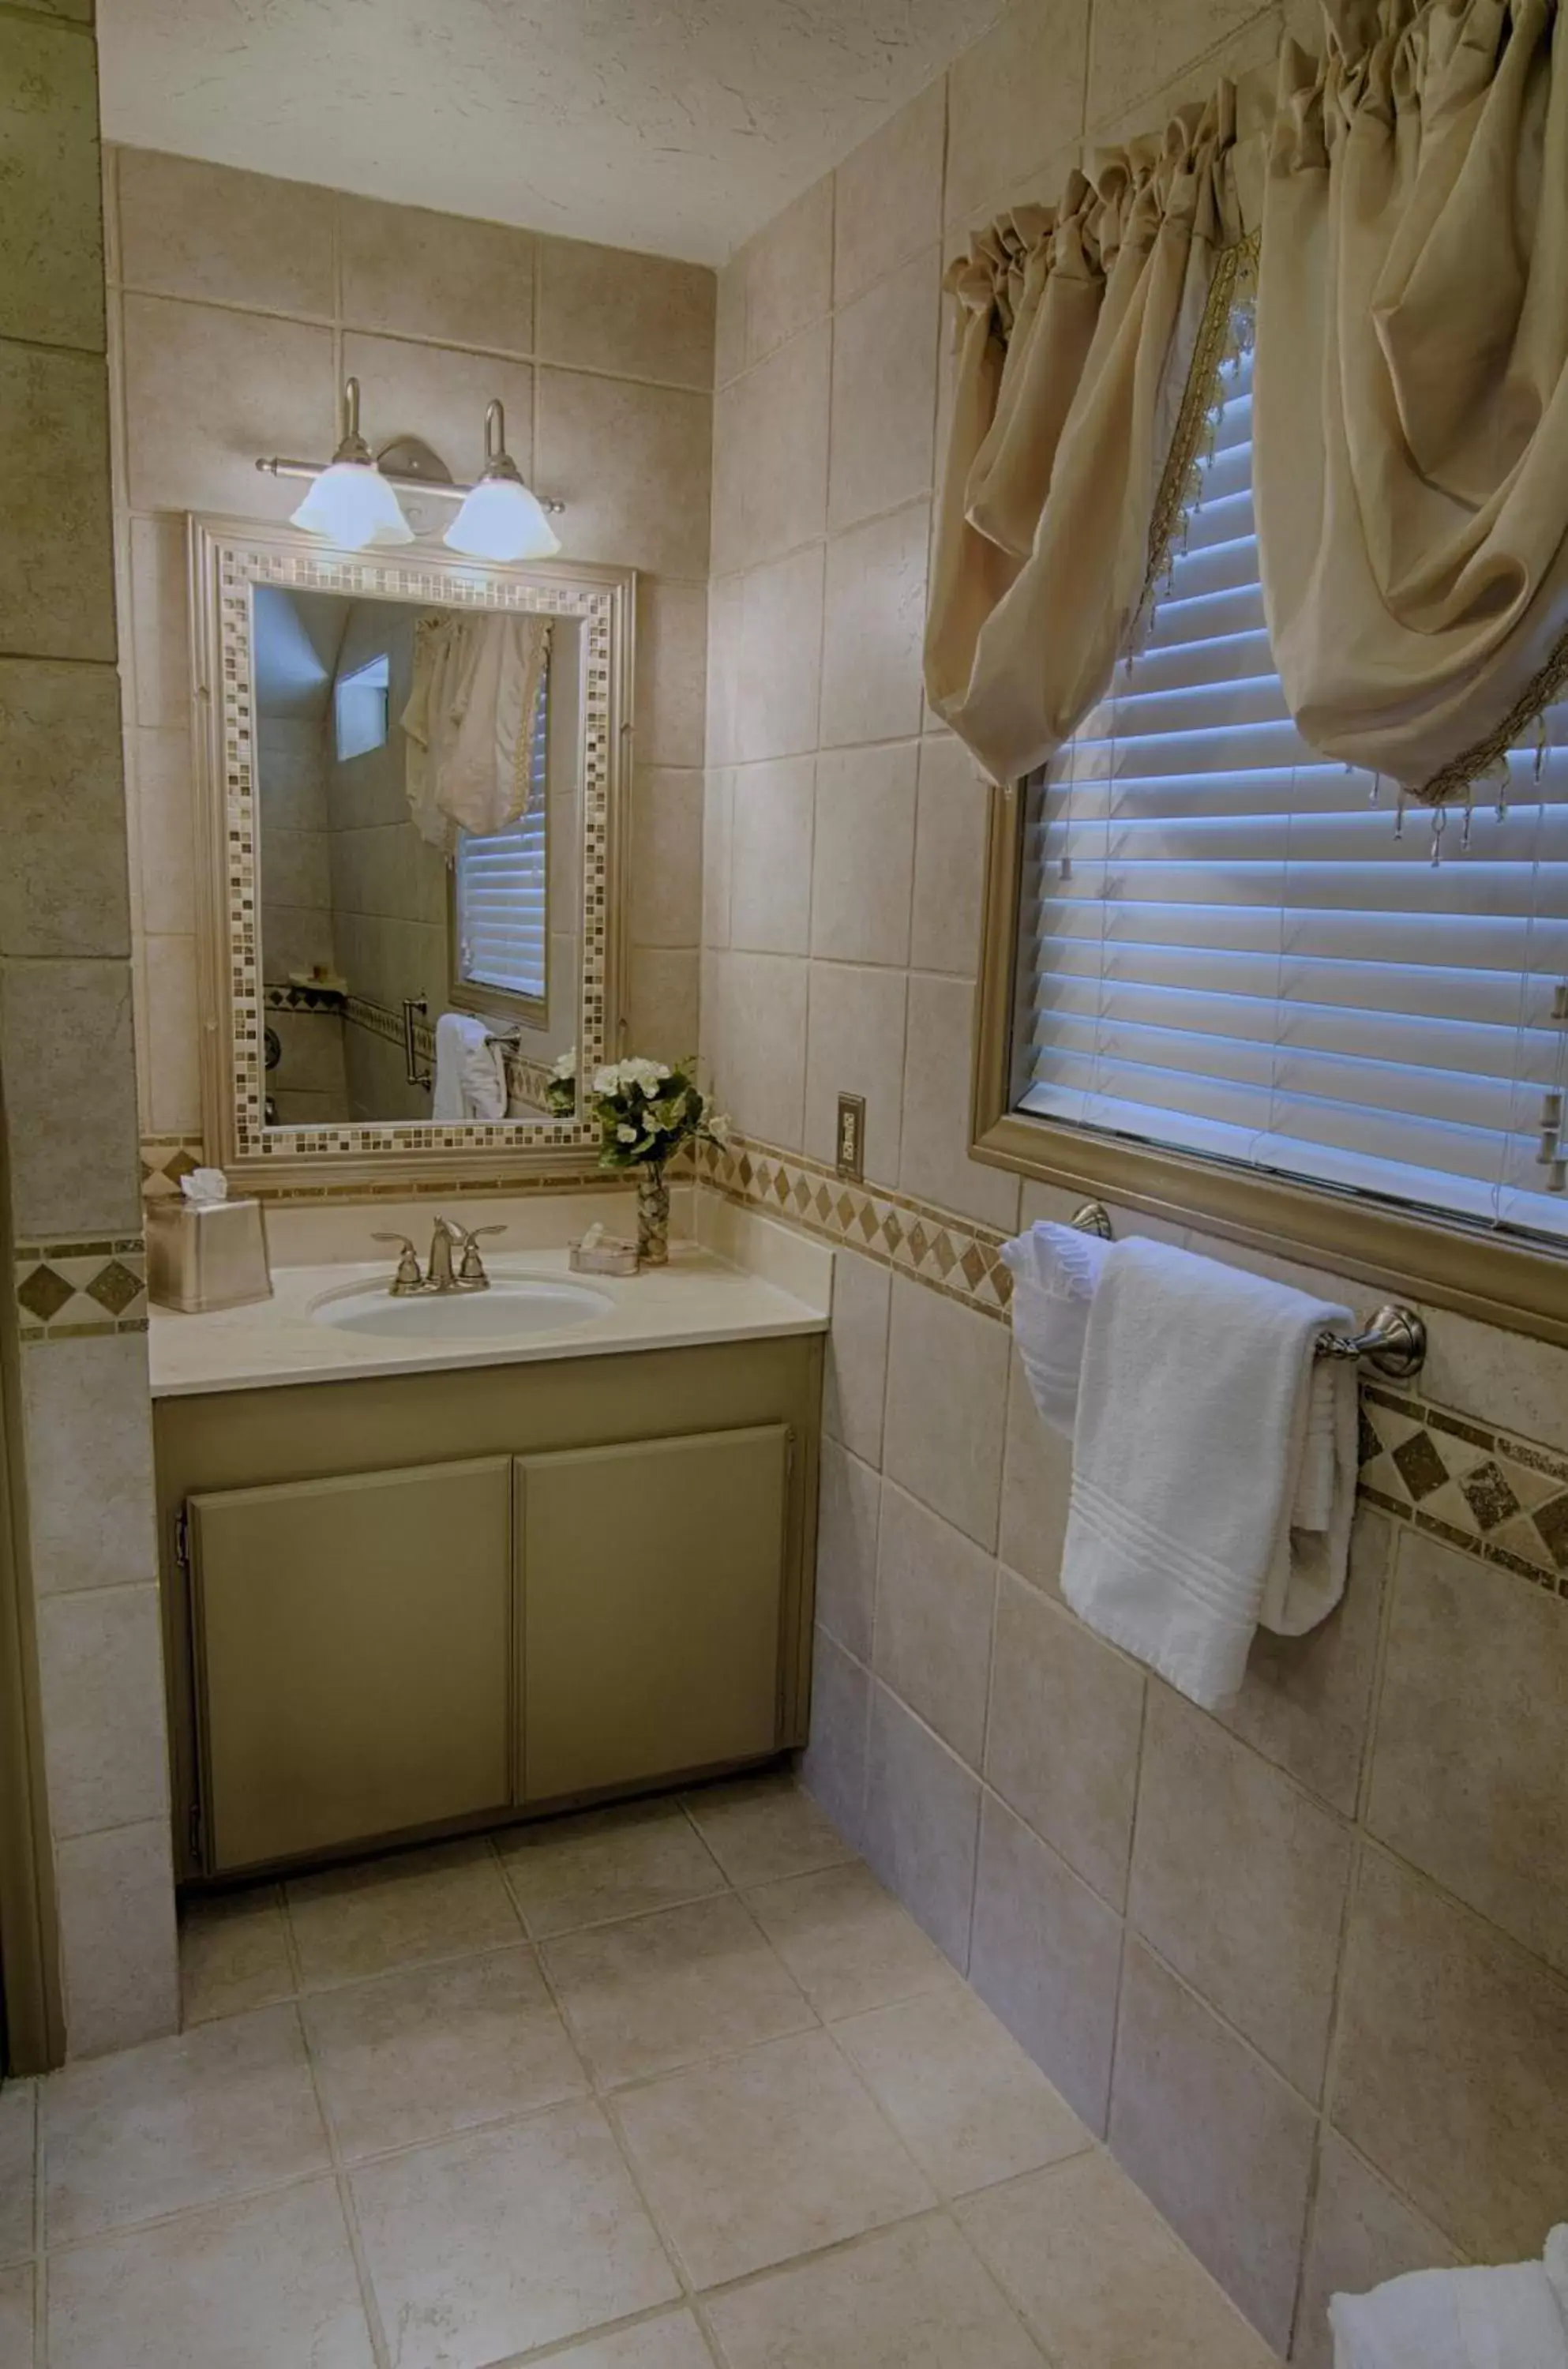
[626, 1134]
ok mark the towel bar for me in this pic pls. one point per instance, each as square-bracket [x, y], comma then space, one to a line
[1394, 1342]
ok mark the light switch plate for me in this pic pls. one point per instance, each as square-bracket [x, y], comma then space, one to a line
[852, 1136]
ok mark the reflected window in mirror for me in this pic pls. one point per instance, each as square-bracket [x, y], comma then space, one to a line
[360, 706]
[501, 893]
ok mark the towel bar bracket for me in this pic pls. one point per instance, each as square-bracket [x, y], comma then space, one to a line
[1394, 1344]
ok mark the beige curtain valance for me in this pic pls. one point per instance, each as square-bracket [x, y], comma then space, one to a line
[1410, 397]
[1410, 383]
[1076, 327]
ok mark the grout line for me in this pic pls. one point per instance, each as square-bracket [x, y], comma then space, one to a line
[602, 2332]
[1125, 1912]
[342, 328]
[613, 2124]
[337, 264]
[369, 2302]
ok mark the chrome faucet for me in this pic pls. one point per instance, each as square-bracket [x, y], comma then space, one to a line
[470, 1274]
[441, 1274]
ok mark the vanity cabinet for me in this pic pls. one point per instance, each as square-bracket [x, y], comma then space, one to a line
[649, 1583]
[351, 1640]
[414, 1605]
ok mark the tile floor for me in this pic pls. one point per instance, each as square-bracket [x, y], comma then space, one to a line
[663, 2087]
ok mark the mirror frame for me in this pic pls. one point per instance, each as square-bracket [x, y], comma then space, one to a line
[226, 557]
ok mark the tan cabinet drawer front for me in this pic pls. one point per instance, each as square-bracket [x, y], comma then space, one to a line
[353, 1641]
[652, 1585]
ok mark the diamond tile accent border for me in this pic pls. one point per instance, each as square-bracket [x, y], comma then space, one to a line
[72, 1291]
[952, 1255]
[1502, 1499]
[164, 1160]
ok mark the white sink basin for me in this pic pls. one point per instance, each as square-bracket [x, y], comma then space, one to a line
[511, 1307]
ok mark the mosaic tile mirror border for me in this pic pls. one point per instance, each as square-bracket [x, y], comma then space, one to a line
[226, 561]
[1481, 1490]
[167, 1159]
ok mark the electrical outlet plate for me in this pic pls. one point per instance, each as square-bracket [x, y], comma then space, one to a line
[852, 1136]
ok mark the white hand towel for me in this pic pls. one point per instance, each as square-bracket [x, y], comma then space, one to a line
[470, 1078]
[1054, 1270]
[1195, 1453]
[1511, 2319]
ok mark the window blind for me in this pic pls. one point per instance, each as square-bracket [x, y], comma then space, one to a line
[503, 905]
[1225, 948]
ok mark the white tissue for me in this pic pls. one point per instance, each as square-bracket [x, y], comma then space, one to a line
[592, 1238]
[205, 1185]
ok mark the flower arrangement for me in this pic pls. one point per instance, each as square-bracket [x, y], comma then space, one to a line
[646, 1112]
[561, 1092]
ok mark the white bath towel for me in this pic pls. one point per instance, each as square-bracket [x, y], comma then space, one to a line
[1214, 1465]
[1054, 1270]
[1510, 2319]
[470, 1078]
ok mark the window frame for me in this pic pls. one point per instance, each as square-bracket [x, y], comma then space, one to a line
[1425, 1257]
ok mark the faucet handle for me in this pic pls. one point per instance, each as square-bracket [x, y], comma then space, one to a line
[471, 1268]
[409, 1277]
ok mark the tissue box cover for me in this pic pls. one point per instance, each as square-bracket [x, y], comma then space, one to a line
[204, 1255]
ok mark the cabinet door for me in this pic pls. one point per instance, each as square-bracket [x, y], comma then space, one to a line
[353, 1649]
[652, 1585]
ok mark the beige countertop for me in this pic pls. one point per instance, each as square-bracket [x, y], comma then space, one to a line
[783, 1287]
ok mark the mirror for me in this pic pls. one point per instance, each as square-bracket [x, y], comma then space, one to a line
[419, 853]
[411, 784]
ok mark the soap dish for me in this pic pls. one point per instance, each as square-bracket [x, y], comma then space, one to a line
[608, 1257]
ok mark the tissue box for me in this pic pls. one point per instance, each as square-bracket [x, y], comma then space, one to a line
[203, 1255]
[606, 1257]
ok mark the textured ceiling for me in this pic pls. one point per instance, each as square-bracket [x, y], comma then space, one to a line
[677, 126]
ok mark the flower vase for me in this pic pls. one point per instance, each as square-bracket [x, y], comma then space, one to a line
[653, 1216]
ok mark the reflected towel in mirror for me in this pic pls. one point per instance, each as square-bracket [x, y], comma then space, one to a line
[471, 1076]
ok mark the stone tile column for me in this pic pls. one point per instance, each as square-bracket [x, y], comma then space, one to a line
[75, 1338]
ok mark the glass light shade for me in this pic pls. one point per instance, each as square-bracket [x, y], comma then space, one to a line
[352, 505]
[501, 520]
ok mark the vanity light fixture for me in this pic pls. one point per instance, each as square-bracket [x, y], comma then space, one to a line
[350, 502]
[500, 520]
[353, 500]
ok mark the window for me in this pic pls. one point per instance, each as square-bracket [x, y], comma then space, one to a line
[360, 708]
[1224, 948]
[500, 889]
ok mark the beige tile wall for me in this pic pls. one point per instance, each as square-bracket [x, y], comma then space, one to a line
[235, 301]
[79, 1401]
[1303, 1965]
